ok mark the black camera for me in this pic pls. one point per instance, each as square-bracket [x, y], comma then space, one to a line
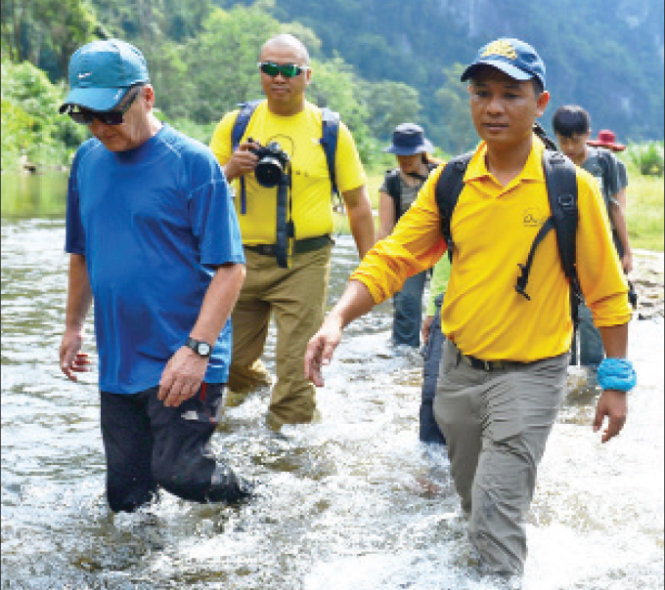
[272, 164]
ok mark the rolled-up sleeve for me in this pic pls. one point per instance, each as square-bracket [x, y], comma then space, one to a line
[415, 245]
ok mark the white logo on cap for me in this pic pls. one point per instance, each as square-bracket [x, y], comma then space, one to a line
[84, 75]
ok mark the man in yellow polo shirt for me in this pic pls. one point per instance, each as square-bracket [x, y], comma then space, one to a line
[295, 292]
[505, 358]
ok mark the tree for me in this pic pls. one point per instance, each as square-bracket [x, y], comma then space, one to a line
[389, 104]
[455, 131]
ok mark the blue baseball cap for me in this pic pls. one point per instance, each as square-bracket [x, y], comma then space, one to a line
[513, 57]
[101, 72]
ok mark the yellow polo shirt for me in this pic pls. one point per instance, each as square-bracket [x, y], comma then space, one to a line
[493, 227]
[299, 136]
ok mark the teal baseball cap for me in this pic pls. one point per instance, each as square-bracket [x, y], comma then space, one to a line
[513, 57]
[101, 72]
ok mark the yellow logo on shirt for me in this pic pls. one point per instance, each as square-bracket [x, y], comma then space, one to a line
[502, 48]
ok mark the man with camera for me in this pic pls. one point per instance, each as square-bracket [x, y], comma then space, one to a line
[284, 203]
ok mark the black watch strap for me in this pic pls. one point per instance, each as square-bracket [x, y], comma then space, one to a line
[200, 347]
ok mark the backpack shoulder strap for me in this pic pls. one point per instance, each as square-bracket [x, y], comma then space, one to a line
[239, 126]
[561, 183]
[329, 135]
[242, 120]
[448, 188]
[394, 190]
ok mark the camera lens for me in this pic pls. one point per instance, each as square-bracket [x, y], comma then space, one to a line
[268, 171]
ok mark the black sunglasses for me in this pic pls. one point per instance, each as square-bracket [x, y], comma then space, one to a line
[86, 116]
[270, 68]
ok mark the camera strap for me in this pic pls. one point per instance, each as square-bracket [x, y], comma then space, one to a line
[285, 230]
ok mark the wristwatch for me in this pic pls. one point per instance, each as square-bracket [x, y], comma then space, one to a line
[199, 347]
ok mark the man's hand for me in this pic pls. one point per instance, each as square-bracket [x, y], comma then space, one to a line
[242, 161]
[320, 350]
[72, 360]
[612, 403]
[424, 330]
[627, 262]
[182, 377]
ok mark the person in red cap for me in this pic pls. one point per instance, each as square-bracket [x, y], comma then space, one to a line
[572, 127]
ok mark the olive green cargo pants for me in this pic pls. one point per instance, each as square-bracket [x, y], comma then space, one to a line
[296, 296]
[496, 424]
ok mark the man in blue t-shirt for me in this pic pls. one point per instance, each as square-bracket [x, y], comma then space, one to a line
[154, 241]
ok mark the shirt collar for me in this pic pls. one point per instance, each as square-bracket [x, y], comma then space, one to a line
[533, 169]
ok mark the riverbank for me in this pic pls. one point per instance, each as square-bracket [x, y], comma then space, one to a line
[647, 278]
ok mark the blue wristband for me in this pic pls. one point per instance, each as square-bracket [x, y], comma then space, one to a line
[615, 373]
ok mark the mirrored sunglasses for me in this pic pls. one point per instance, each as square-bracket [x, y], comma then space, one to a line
[86, 116]
[287, 70]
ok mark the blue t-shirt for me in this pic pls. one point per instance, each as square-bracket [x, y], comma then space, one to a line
[152, 222]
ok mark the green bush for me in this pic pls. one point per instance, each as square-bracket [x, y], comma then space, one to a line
[647, 157]
[32, 129]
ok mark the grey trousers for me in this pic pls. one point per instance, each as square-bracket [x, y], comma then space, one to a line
[496, 424]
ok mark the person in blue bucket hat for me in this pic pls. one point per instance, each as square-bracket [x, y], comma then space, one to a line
[399, 189]
[154, 242]
[505, 356]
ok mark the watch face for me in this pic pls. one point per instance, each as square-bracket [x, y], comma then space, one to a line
[204, 348]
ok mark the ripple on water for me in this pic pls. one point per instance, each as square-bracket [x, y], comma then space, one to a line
[354, 502]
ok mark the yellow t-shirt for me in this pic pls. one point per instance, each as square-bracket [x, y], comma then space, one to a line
[493, 228]
[299, 136]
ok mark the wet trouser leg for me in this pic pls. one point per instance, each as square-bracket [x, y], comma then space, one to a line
[296, 296]
[496, 425]
[429, 430]
[148, 446]
[298, 306]
[407, 317]
[591, 343]
[250, 319]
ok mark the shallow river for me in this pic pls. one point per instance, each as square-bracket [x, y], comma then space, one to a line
[354, 502]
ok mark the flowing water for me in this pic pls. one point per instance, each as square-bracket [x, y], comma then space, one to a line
[354, 502]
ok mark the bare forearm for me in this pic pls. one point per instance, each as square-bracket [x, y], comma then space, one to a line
[386, 215]
[355, 301]
[619, 222]
[79, 293]
[218, 302]
[615, 340]
[359, 211]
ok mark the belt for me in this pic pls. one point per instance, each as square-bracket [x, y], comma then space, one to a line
[299, 246]
[476, 363]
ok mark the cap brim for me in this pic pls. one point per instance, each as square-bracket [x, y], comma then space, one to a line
[94, 99]
[508, 69]
[615, 147]
[426, 146]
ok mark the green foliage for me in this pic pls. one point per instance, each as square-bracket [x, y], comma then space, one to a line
[32, 129]
[378, 62]
[389, 104]
[455, 121]
[46, 32]
[221, 62]
[647, 157]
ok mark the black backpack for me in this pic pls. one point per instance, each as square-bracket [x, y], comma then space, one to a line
[394, 187]
[561, 184]
[329, 133]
